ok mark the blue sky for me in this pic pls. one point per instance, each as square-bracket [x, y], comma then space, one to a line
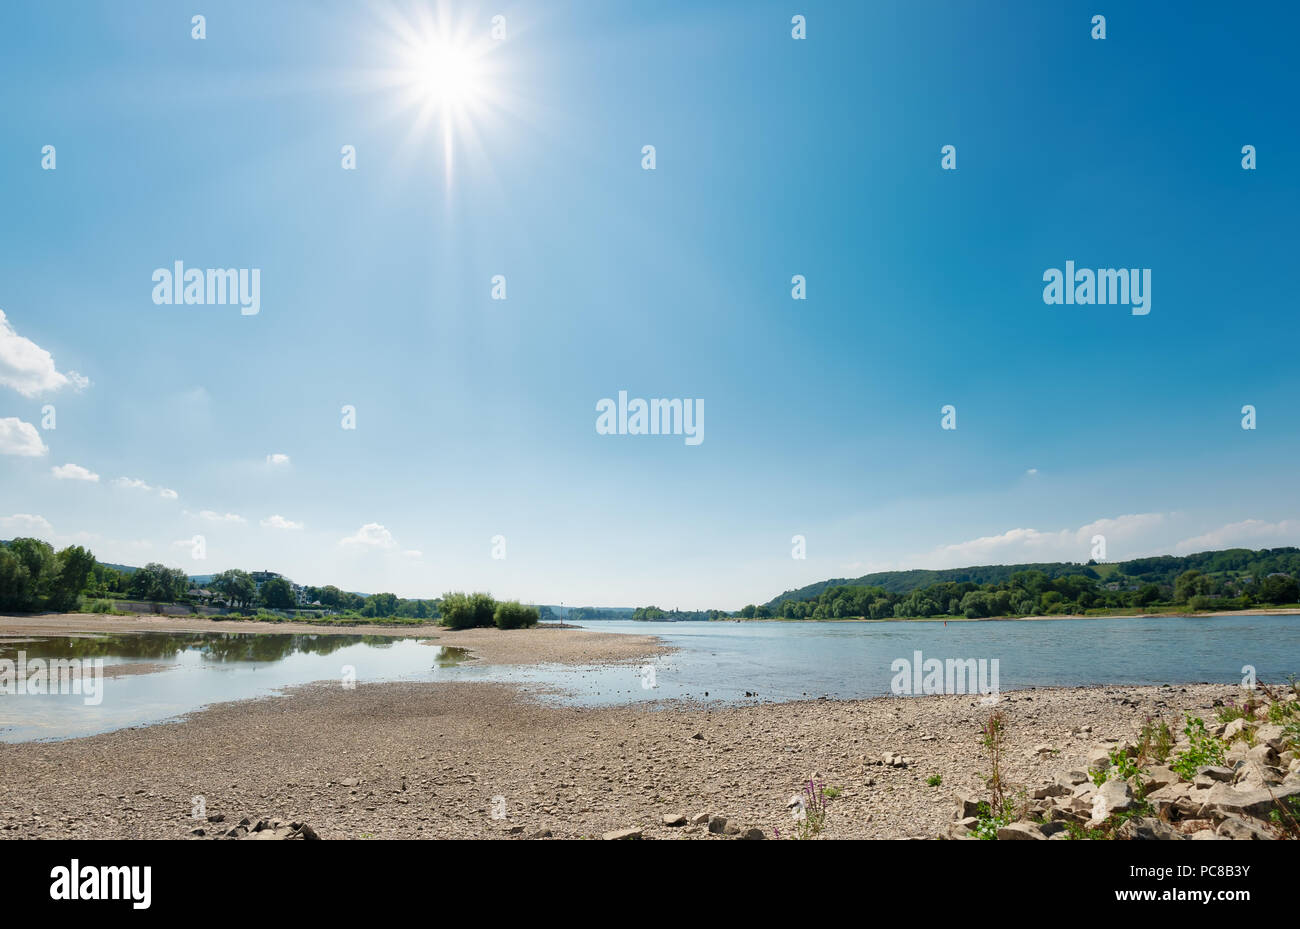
[775, 157]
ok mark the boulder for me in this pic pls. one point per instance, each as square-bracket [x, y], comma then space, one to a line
[1235, 827]
[1270, 735]
[1148, 828]
[622, 834]
[1099, 757]
[1222, 800]
[1020, 831]
[1112, 797]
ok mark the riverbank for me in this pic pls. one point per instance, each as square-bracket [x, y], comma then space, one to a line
[406, 760]
[541, 644]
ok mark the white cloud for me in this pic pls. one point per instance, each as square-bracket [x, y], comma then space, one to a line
[20, 438]
[278, 460]
[279, 522]
[213, 516]
[73, 472]
[134, 483]
[1124, 536]
[1032, 471]
[25, 523]
[413, 553]
[28, 368]
[1248, 533]
[371, 535]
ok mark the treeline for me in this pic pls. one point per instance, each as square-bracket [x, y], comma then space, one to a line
[1231, 564]
[1034, 593]
[33, 577]
[577, 614]
[655, 615]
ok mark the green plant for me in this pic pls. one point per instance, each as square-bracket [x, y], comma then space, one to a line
[810, 818]
[832, 793]
[987, 823]
[934, 780]
[1155, 742]
[993, 737]
[1203, 749]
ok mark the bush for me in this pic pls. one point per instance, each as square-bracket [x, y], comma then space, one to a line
[511, 614]
[466, 611]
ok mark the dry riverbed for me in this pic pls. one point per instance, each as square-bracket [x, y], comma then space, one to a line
[430, 760]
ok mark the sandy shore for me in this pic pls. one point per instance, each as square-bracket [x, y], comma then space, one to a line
[407, 760]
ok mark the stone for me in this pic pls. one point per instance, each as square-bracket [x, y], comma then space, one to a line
[1204, 834]
[541, 834]
[619, 835]
[674, 819]
[717, 824]
[1234, 729]
[967, 806]
[1159, 776]
[1013, 831]
[1099, 757]
[1050, 790]
[1214, 773]
[1222, 800]
[699, 819]
[752, 834]
[1235, 827]
[1165, 800]
[1262, 755]
[1270, 735]
[1148, 828]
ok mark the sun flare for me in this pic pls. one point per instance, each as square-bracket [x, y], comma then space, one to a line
[447, 75]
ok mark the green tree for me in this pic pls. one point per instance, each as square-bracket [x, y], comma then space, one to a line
[75, 566]
[236, 586]
[277, 594]
[158, 582]
[511, 614]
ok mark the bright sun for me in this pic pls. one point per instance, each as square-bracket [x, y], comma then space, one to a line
[443, 74]
[447, 76]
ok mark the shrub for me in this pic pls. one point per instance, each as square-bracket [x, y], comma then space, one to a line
[465, 611]
[511, 614]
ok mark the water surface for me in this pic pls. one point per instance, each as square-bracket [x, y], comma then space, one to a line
[718, 661]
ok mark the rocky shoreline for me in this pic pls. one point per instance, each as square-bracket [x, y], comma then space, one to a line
[1234, 778]
[469, 760]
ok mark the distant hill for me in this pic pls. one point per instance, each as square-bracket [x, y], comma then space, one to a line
[1162, 569]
